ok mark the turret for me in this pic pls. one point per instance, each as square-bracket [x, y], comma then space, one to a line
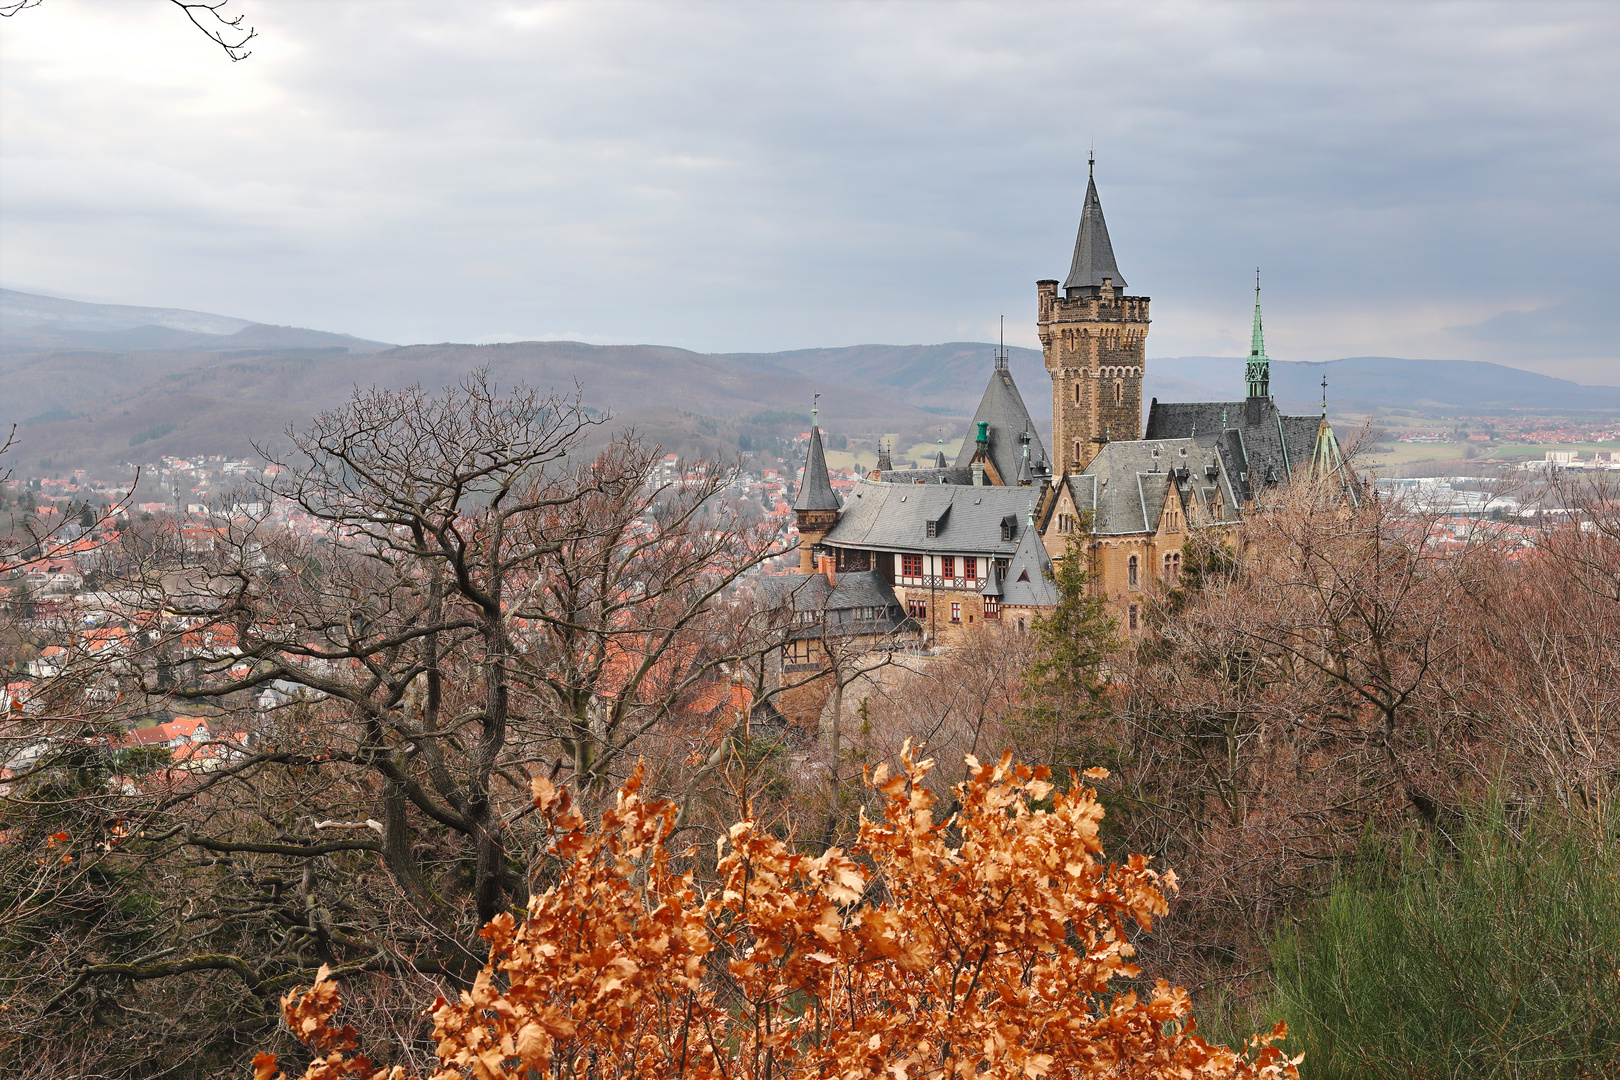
[816, 505]
[1094, 340]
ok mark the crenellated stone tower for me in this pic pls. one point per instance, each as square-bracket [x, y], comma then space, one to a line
[1094, 339]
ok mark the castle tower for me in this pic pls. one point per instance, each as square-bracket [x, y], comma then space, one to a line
[816, 505]
[1094, 338]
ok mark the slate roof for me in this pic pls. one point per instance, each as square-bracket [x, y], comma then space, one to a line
[882, 516]
[1003, 406]
[1028, 580]
[815, 490]
[837, 608]
[1124, 487]
[948, 475]
[1261, 444]
[1093, 253]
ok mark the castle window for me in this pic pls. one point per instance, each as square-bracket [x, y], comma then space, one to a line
[1119, 392]
[1130, 576]
[917, 607]
[1077, 393]
[1172, 566]
[911, 566]
[956, 611]
[992, 608]
[947, 566]
[970, 567]
[1133, 616]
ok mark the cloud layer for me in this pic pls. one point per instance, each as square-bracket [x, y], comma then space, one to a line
[1428, 179]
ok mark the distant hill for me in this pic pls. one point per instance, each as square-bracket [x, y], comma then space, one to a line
[96, 384]
[1374, 383]
[20, 309]
[95, 409]
[31, 324]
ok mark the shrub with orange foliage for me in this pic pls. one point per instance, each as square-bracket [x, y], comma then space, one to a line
[981, 946]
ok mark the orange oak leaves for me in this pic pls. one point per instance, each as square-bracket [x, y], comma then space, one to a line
[984, 945]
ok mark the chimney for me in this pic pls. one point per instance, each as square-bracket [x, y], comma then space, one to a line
[829, 566]
[978, 474]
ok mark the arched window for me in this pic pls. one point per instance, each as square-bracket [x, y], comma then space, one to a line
[1077, 393]
[1133, 616]
[1119, 392]
[1130, 572]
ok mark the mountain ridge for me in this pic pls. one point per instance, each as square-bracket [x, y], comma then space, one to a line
[94, 401]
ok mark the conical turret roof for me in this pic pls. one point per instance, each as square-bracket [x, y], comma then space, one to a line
[1093, 253]
[1029, 578]
[815, 489]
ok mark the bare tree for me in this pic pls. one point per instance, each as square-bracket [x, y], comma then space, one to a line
[228, 33]
[380, 687]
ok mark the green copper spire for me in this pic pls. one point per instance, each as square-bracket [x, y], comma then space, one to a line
[1259, 371]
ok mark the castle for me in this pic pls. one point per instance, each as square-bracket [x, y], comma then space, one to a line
[974, 541]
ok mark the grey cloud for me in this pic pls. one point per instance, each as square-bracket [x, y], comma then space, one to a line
[725, 176]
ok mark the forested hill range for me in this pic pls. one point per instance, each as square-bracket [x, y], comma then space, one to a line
[88, 383]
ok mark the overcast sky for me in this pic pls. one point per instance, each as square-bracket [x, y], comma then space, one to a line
[1415, 179]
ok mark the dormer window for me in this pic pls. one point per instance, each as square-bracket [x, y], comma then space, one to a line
[1009, 528]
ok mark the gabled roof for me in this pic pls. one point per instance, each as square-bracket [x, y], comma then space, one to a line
[1125, 487]
[815, 490]
[861, 602]
[881, 516]
[1093, 253]
[1002, 406]
[962, 476]
[1261, 444]
[1028, 581]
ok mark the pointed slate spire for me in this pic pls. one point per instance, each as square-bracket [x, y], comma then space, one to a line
[1259, 369]
[815, 489]
[1093, 253]
[1029, 578]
